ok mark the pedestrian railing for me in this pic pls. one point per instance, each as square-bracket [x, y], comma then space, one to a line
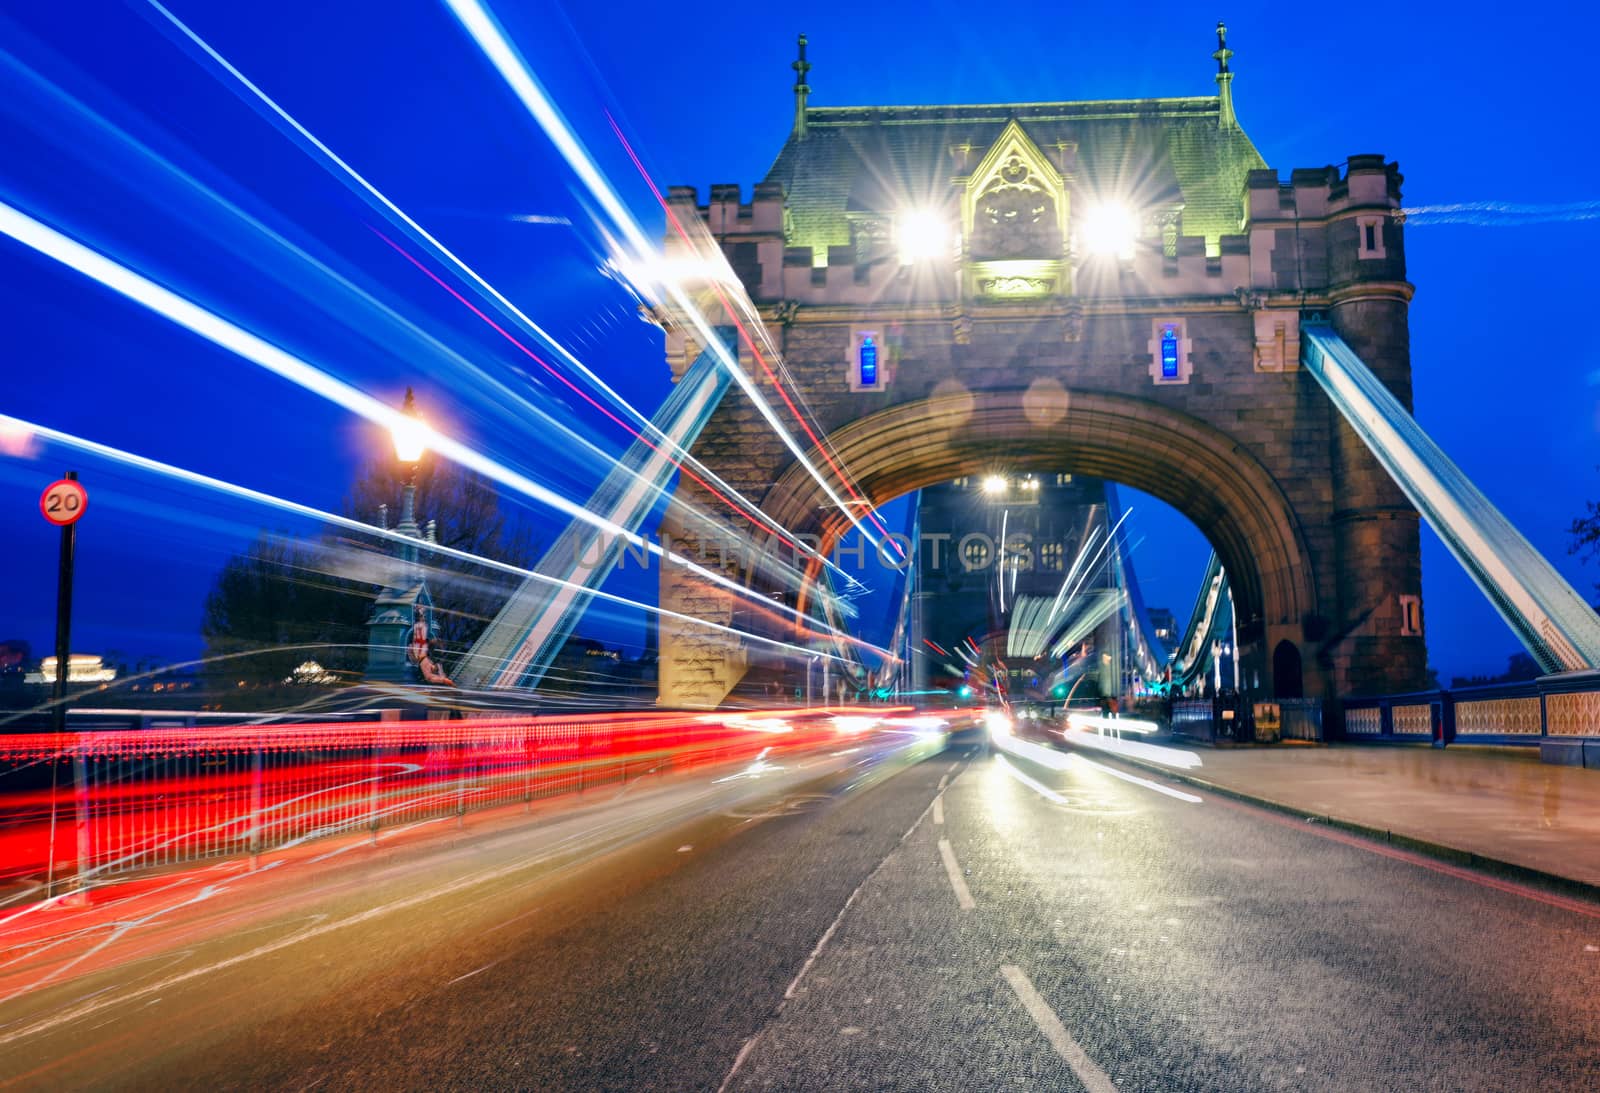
[1560, 714]
[82, 806]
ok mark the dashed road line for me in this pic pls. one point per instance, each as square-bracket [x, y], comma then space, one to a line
[938, 809]
[963, 893]
[1088, 1072]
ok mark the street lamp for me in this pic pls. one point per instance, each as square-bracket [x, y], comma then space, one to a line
[405, 600]
[410, 437]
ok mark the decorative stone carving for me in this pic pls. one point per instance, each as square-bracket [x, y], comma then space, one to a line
[1015, 215]
[1072, 324]
[1016, 286]
[961, 330]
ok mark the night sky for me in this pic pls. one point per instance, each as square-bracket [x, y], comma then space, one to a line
[111, 132]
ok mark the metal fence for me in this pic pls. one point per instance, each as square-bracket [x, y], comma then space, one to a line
[1560, 714]
[90, 805]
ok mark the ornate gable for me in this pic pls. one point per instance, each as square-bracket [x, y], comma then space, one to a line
[1014, 219]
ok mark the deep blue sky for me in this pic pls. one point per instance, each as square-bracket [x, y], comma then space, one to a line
[1474, 107]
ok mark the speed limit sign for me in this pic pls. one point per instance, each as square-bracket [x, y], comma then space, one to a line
[63, 502]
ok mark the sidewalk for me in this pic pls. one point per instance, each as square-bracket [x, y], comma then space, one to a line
[1495, 807]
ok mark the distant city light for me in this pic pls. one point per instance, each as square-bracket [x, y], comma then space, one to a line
[920, 235]
[1110, 229]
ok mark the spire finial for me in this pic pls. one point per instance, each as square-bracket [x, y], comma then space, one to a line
[1226, 119]
[801, 89]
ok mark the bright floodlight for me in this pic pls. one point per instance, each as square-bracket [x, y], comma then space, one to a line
[1110, 229]
[994, 483]
[920, 235]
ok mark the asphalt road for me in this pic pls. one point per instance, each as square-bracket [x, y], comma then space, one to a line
[873, 920]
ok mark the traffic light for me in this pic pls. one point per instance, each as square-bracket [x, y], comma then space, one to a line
[964, 691]
[1058, 691]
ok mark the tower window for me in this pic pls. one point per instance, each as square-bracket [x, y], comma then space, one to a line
[1169, 351]
[868, 360]
[1050, 556]
[1369, 237]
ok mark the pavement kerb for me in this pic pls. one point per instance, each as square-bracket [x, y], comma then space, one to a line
[1470, 859]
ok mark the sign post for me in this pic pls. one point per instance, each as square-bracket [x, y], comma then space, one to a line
[62, 504]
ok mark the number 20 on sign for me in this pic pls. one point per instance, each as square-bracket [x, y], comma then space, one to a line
[63, 502]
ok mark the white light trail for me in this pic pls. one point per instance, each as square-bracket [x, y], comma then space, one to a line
[185, 313]
[245, 493]
[485, 30]
[371, 193]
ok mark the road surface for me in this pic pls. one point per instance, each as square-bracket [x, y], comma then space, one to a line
[882, 918]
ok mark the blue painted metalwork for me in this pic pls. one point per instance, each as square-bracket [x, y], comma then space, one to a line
[517, 647]
[1193, 651]
[1553, 622]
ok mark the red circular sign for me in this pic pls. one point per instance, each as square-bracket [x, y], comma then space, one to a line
[63, 502]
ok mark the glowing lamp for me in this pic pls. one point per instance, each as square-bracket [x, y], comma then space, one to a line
[410, 435]
[920, 235]
[1110, 229]
[994, 484]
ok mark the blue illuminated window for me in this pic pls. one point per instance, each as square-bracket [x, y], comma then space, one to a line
[869, 362]
[1169, 352]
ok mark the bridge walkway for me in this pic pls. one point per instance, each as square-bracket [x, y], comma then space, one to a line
[1484, 806]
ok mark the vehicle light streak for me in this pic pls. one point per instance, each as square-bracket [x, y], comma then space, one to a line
[485, 31]
[104, 451]
[392, 212]
[737, 502]
[69, 252]
[1134, 749]
[164, 796]
[1056, 760]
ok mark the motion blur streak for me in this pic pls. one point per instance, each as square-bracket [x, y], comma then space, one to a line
[732, 498]
[393, 213]
[1056, 760]
[741, 316]
[54, 436]
[163, 796]
[47, 241]
[1038, 787]
[486, 32]
[1134, 749]
[1501, 214]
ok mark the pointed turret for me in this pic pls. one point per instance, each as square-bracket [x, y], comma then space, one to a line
[801, 89]
[1226, 119]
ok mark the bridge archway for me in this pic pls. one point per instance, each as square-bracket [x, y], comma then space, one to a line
[1229, 496]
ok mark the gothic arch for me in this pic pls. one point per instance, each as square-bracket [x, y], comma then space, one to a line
[1194, 467]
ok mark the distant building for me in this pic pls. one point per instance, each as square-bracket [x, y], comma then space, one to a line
[81, 668]
[14, 656]
[1164, 624]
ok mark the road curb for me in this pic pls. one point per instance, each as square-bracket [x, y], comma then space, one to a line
[1470, 859]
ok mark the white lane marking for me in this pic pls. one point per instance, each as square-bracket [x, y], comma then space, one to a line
[1093, 1078]
[944, 780]
[963, 894]
[475, 971]
[1038, 787]
[1136, 780]
[822, 942]
[938, 809]
[954, 765]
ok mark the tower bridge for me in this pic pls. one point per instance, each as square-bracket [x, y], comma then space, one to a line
[1111, 288]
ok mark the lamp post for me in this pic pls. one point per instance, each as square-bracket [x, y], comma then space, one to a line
[395, 610]
[410, 445]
